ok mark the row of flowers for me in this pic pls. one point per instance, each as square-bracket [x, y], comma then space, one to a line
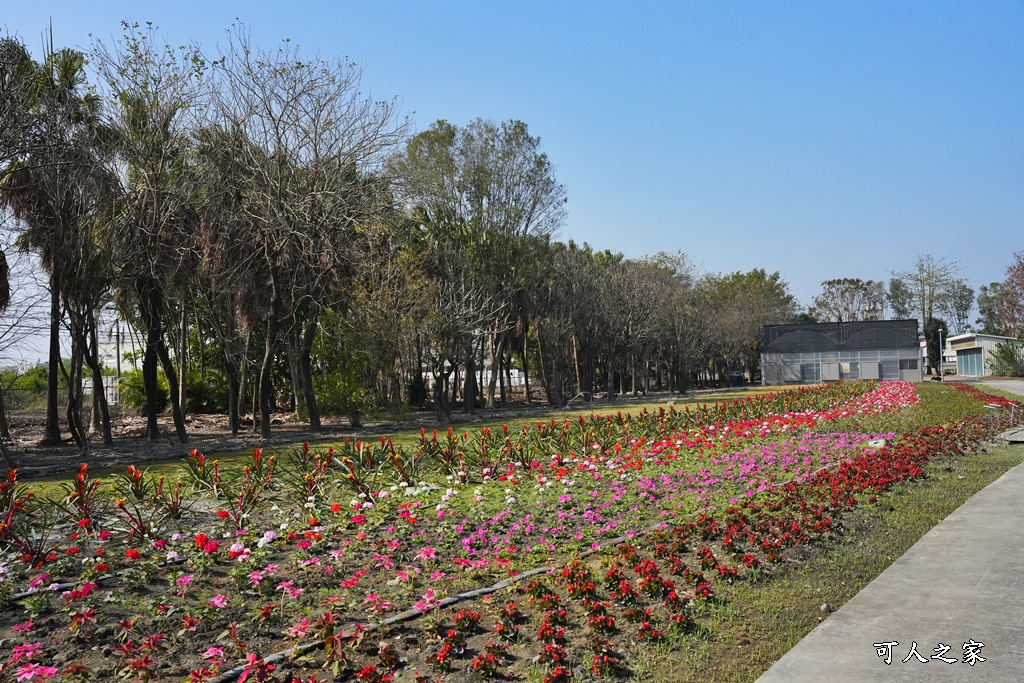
[277, 579]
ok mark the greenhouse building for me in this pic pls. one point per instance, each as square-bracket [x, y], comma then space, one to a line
[810, 353]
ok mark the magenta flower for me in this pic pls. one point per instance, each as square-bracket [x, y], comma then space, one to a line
[27, 672]
[219, 601]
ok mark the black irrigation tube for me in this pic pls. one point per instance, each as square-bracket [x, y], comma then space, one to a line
[102, 577]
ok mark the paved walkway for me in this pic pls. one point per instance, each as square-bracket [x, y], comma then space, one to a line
[962, 582]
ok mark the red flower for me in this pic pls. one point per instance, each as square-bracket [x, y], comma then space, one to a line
[132, 554]
[202, 540]
[223, 514]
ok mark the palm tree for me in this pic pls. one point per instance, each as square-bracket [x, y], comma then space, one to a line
[53, 190]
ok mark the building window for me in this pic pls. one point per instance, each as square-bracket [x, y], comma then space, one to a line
[908, 364]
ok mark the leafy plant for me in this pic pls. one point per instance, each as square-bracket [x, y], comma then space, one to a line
[1007, 360]
[132, 390]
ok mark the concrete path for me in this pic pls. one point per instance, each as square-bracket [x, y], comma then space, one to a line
[962, 583]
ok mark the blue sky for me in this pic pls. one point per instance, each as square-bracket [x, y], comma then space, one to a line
[818, 139]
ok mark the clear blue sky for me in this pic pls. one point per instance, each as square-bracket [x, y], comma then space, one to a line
[818, 139]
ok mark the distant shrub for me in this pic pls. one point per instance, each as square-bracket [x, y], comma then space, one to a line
[1007, 360]
[206, 392]
[133, 392]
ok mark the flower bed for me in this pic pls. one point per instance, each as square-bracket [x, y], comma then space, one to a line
[185, 582]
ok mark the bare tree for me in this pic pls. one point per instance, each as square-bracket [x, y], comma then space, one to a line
[956, 303]
[1011, 297]
[310, 137]
[156, 90]
[927, 282]
[844, 300]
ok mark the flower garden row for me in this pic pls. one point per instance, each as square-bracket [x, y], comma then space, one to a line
[153, 581]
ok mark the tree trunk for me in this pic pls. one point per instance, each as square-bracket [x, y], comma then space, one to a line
[172, 382]
[74, 386]
[183, 361]
[493, 356]
[99, 394]
[526, 371]
[576, 365]
[306, 373]
[293, 371]
[506, 368]
[610, 379]
[150, 382]
[51, 433]
[231, 372]
[243, 376]
[469, 384]
[266, 367]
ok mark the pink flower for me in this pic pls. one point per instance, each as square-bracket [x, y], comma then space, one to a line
[426, 553]
[22, 628]
[27, 671]
[185, 580]
[25, 651]
[289, 588]
[428, 602]
[299, 630]
[214, 653]
[220, 601]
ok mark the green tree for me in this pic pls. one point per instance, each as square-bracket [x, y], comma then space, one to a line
[935, 329]
[743, 303]
[956, 304]
[990, 320]
[487, 200]
[900, 298]
[1007, 360]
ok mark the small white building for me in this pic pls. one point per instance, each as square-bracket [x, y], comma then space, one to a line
[973, 351]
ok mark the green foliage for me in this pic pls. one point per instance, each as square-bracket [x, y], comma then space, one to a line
[340, 372]
[33, 379]
[206, 393]
[133, 392]
[933, 329]
[1007, 360]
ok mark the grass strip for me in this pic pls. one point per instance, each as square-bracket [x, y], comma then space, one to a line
[753, 624]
